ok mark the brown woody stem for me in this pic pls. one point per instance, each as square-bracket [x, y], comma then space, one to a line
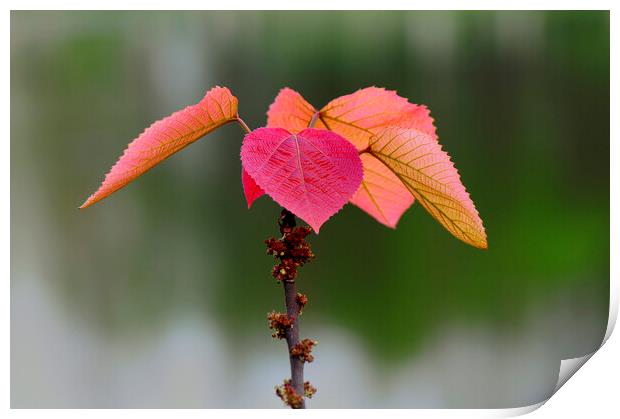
[291, 252]
[287, 223]
[292, 339]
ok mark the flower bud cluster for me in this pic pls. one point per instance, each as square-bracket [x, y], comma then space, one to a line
[291, 251]
[303, 350]
[280, 323]
[289, 396]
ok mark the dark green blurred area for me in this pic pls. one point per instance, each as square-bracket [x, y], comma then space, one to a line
[520, 100]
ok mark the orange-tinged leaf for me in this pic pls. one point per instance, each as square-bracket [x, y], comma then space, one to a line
[353, 113]
[381, 194]
[417, 159]
[418, 117]
[290, 111]
[362, 114]
[167, 136]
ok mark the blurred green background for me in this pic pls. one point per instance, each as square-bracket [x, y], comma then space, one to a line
[157, 296]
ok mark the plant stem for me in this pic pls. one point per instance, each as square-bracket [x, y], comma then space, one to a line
[314, 119]
[291, 252]
[292, 339]
[287, 223]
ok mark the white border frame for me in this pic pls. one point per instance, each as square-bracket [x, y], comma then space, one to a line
[593, 392]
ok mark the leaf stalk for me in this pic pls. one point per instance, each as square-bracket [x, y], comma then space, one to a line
[243, 125]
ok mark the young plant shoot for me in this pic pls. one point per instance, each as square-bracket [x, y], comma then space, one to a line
[372, 148]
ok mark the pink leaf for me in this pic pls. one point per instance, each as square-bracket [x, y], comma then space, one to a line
[381, 194]
[167, 136]
[312, 173]
[251, 190]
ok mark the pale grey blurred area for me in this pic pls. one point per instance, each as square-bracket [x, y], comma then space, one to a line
[156, 297]
[60, 362]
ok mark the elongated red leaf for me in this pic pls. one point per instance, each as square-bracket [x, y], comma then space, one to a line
[312, 173]
[417, 159]
[250, 189]
[167, 136]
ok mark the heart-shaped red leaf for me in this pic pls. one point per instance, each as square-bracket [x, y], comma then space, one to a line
[312, 173]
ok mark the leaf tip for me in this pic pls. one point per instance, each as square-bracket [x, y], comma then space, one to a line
[391, 225]
[89, 201]
[479, 242]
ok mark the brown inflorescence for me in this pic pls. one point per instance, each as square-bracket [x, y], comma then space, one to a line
[303, 350]
[302, 300]
[309, 390]
[291, 251]
[289, 396]
[280, 323]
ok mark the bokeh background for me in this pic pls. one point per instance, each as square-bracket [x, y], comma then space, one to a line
[157, 296]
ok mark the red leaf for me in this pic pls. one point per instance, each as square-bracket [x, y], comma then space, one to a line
[312, 173]
[251, 190]
[167, 136]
